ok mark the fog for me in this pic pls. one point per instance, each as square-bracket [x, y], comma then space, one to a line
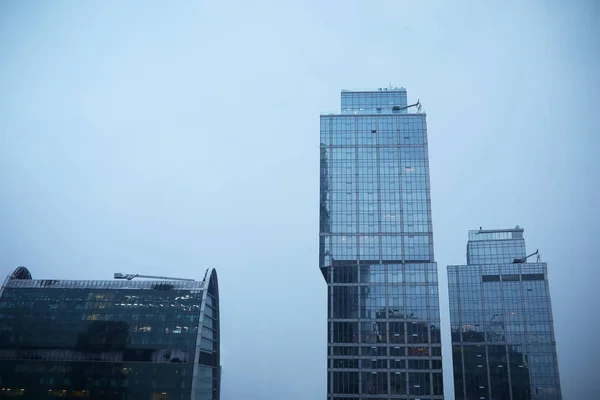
[141, 137]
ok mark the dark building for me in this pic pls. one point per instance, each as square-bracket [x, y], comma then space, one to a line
[376, 250]
[116, 339]
[503, 343]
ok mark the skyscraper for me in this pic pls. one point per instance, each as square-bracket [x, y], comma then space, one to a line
[125, 339]
[376, 250]
[502, 328]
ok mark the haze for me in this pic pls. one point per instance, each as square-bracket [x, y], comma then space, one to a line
[164, 139]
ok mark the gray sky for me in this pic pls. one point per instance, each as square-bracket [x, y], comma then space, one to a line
[141, 137]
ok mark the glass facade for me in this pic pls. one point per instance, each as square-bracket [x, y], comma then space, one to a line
[144, 340]
[501, 318]
[495, 246]
[382, 101]
[376, 250]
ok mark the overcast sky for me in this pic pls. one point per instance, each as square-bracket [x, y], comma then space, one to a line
[165, 138]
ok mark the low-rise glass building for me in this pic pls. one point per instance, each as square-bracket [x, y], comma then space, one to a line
[115, 339]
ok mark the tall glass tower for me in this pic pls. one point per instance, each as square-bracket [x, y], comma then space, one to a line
[502, 328]
[376, 250]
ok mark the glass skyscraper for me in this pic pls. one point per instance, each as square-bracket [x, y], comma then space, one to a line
[125, 340]
[503, 344]
[376, 250]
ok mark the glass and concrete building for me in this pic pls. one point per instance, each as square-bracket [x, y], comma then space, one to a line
[503, 344]
[115, 339]
[376, 250]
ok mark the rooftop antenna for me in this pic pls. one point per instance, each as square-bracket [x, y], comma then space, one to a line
[129, 277]
[398, 108]
[524, 259]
